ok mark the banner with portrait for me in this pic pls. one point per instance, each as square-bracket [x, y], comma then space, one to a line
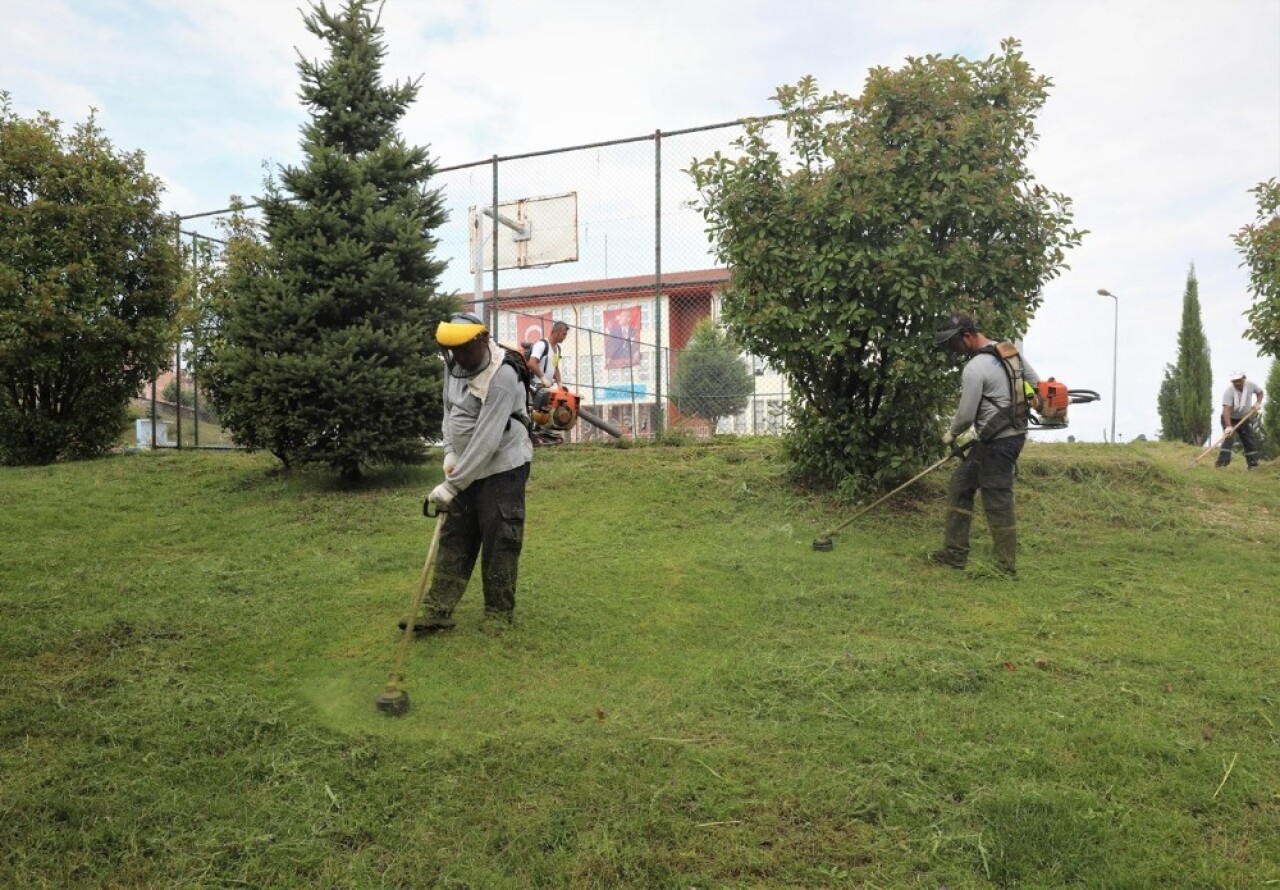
[621, 330]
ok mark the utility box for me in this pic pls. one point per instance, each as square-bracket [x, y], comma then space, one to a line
[143, 429]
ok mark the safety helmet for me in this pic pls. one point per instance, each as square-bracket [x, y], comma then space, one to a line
[953, 326]
[1238, 375]
[459, 330]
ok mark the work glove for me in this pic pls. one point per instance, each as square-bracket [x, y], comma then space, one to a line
[442, 495]
[546, 384]
[947, 438]
[450, 461]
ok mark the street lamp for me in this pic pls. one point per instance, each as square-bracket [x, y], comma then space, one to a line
[1115, 352]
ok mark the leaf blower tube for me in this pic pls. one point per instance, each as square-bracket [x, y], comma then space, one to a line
[600, 423]
[823, 543]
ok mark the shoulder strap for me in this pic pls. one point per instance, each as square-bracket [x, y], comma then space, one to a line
[1011, 360]
[515, 359]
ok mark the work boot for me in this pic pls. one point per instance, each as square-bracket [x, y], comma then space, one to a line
[429, 625]
[496, 622]
[954, 559]
[1005, 550]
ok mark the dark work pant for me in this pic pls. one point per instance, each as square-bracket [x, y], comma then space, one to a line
[1247, 441]
[988, 468]
[485, 521]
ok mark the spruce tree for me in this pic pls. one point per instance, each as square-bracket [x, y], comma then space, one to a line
[325, 352]
[1195, 377]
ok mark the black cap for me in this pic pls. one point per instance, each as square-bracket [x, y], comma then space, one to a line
[953, 326]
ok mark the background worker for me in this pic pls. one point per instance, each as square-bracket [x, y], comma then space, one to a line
[544, 357]
[487, 453]
[1237, 402]
[993, 401]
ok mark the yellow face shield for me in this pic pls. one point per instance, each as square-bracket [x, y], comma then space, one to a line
[458, 332]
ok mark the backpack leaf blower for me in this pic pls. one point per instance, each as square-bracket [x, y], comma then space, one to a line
[555, 410]
[1049, 401]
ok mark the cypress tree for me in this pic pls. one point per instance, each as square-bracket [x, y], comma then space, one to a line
[1195, 378]
[326, 351]
[1167, 406]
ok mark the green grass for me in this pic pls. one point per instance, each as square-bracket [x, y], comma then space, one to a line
[191, 646]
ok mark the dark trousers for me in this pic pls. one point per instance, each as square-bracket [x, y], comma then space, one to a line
[989, 468]
[1247, 440]
[485, 521]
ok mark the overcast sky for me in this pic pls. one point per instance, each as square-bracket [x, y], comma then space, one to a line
[1162, 116]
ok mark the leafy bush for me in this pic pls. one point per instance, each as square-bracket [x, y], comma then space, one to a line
[88, 274]
[901, 206]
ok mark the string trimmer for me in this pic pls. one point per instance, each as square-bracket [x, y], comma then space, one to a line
[823, 542]
[394, 701]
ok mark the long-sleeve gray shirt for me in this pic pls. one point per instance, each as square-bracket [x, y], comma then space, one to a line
[984, 376]
[484, 436]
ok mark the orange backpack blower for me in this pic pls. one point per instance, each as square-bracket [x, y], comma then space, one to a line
[1050, 399]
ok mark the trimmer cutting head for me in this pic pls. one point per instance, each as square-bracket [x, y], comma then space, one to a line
[393, 702]
[822, 544]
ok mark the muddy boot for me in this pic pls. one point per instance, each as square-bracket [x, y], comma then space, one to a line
[955, 539]
[954, 559]
[429, 625]
[496, 622]
[1005, 546]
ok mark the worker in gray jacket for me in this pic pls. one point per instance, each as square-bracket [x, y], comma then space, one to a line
[487, 454]
[993, 401]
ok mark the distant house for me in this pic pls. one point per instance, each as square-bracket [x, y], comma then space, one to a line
[624, 344]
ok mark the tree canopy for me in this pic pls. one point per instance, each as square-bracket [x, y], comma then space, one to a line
[1259, 244]
[1270, 423]
[712, 380]
[89, 268]
[884, 213]
[326, 311]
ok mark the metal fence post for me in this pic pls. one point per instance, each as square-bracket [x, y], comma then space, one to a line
[659, 412]
[493, 324]
[195, 328]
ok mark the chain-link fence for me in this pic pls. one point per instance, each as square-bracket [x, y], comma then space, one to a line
[605, 237]
[173, 411]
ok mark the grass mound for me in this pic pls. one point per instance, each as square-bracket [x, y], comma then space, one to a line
[191, 646]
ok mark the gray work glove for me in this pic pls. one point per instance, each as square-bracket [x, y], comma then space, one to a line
[442, 495]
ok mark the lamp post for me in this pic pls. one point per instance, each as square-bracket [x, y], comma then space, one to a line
[1115, 353]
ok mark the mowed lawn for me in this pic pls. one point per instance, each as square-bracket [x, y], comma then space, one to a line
[191, 646]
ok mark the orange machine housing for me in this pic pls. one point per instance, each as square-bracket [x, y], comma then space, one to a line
[556, 408]
[1052, 399]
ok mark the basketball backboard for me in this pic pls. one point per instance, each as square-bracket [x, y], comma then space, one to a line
[531, 232]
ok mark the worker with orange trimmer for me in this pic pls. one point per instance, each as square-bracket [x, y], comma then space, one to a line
[993, 401]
